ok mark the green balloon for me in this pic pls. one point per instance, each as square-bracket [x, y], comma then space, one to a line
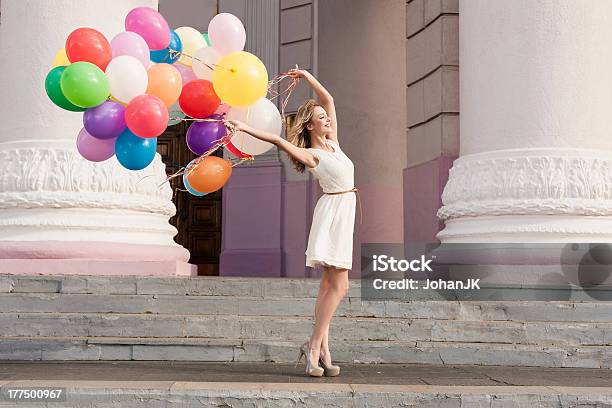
[54, 91]
[84, 84]
[205, 35]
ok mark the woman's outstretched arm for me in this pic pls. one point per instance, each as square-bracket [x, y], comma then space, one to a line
[298, 153]
[325, 98]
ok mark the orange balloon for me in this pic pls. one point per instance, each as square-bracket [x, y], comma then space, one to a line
[165, 82]
[210, 174]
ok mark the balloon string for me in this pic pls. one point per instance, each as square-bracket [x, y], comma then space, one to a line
[288, 91]
[196, 119]
[144, 177]
[174, 54]
[242, 160]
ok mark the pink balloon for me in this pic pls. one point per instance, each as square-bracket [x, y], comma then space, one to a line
[146, 116]
[226, 33]
[151, 26]
[223, 109]
[94, 149]
[132, 44]
[186, 72]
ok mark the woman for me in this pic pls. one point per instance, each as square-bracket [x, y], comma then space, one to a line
[312, 142]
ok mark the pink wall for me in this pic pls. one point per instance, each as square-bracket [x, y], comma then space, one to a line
[361, 59]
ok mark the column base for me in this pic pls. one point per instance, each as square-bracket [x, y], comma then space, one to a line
[93, 258]
[529, 195]
[528, 229]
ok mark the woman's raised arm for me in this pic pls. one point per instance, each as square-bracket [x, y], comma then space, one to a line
[298, 153]
[325, 98]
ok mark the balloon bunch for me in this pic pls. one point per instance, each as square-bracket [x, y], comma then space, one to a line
[150, 76]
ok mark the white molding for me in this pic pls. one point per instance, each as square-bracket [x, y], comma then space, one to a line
[528, 182]
[528, 229]
[61, 178]
[54, 194]
[529, 195]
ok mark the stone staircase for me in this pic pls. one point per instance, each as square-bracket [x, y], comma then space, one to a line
[265, 319]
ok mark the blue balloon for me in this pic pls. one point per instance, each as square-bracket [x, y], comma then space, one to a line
[191, 189]
[133, 152]
[164, 54]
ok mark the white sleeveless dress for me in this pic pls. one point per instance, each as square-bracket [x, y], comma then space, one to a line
[330, 242]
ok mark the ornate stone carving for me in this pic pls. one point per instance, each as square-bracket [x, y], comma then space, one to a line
[529, 182]
[53, 194]
[59, 178]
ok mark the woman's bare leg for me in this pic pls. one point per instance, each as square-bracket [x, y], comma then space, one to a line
[323, 287]
[325, 353]
[326, 306]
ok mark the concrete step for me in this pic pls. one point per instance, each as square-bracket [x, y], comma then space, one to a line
[300, 306]
[154, 394]
[276, 287]
[272, 350]
[283, 327]
[263, 319]
[154, 384]
[132, 285]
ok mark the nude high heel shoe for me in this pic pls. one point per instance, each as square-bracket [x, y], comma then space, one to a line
[311, 370]
[329, 370]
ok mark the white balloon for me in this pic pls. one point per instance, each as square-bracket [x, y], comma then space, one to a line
[226, 33]
[127, 78]
[263, 115]
[192, 41]
[205, 56]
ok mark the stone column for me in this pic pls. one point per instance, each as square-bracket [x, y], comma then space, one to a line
[60, 214]
[535, 161]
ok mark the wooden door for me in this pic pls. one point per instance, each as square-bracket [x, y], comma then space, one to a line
[197, 219]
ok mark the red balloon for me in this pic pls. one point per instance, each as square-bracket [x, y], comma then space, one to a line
[234, 150]
[146, 116]
[198, 99]
[87, 44]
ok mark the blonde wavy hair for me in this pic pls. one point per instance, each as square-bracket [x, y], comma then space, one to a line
[297, 134]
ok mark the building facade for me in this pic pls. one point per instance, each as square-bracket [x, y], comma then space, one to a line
[528, 162]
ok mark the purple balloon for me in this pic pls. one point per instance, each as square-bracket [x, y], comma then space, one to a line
[201, 136]
[187, 74]
[105, 121]
[94, 149]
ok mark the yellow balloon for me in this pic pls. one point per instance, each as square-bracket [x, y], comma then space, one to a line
[240, 79]
[117, 100]
[192, 41]
[60, 58]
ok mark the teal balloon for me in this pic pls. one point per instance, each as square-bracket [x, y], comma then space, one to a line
[189, 188]
[175, 114]
[54, 90]
[84, 84]
[205, 35]
[133, 152]
[164, 55]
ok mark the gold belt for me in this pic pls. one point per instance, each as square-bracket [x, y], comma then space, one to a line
[356, 191]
